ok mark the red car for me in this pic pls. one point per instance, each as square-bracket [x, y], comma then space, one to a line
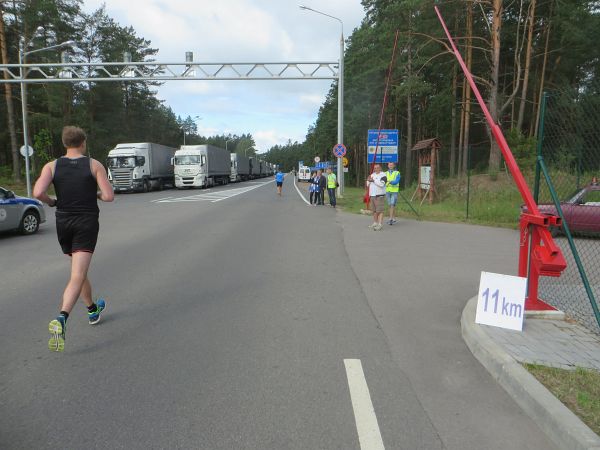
[581, 210]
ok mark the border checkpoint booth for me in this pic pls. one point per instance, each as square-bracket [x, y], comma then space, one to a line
[428, 158]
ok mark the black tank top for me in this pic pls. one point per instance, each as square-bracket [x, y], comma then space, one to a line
[75, 186]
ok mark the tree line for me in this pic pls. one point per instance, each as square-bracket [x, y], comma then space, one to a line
[109, 112]
[516, 50]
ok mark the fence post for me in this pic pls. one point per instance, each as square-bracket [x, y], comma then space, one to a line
[540, 143]
[468, 178]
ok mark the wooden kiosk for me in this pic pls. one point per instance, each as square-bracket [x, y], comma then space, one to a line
[428, 157]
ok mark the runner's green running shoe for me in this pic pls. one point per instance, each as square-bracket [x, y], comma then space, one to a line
[94, 317]
[57, 329]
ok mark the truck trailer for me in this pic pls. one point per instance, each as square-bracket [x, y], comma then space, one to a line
[140, 167]
[201, 166]
[254, 167]
[240, 168]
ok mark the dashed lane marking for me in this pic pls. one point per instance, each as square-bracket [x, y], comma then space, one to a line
[369, 435]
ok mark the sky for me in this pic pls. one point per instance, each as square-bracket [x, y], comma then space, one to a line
[242, 31]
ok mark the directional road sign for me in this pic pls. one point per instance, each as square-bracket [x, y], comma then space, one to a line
[339, 150]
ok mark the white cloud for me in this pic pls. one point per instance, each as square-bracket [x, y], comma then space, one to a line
[241, 31]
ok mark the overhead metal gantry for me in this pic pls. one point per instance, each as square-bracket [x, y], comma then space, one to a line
[154, 71]
[96, 72]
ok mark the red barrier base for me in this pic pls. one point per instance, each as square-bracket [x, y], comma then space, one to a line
[537, 305]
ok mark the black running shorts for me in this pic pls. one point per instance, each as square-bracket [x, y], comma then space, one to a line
[77, 232]
[279, 183]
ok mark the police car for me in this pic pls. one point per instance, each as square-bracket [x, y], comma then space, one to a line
[20, 213]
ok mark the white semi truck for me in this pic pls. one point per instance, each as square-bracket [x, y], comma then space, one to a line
[201, 166]
[240, 168]
[140, 167]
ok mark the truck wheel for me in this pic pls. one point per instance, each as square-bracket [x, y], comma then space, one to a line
[161, 185]
[30, 222]
[146, 186]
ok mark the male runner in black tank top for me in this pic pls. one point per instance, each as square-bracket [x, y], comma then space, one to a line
[76, 180]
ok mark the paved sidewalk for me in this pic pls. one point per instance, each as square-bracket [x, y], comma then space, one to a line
[542, 341]
[553, 343]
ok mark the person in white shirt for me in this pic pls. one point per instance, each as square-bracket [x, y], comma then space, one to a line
[376, 183]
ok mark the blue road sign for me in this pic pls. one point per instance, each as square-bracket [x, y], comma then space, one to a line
[387, 151]
[339, 150]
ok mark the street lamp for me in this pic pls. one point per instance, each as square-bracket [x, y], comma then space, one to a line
[252, 146]
[340, 169]
[226, 142]
[22, 55]
[183, 127]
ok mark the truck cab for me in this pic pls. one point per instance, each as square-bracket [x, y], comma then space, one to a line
[126, 169]
[190, 168]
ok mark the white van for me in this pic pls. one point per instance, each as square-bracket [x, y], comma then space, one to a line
[304, 173]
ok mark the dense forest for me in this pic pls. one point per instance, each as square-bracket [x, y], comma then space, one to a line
[516, 50]
[109, 112]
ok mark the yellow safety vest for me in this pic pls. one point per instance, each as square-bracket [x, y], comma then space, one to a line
[331, 181]
[391, 176]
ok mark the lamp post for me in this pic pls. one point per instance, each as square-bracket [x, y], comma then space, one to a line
[226, 142]
[340, 168]
[22, 55]
[252, 146]
[183, 127]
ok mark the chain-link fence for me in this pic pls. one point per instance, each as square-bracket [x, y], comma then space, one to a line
[569, 145]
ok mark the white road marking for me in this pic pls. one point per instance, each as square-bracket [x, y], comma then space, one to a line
[300, 193]
[369, 435]
[214, 196]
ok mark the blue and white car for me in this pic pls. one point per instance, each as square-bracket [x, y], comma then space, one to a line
[20, 213]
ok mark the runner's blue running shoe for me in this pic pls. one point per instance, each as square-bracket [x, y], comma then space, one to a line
[94, 317]
[57, 329]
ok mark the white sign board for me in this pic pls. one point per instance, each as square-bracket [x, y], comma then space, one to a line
[425, 177]
[317, 159]
[22, 150]
[501, 301]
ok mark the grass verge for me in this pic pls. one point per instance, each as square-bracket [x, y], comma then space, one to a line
[578, 389]
[491, 202]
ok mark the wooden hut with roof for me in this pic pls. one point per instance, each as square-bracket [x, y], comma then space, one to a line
[428, 154]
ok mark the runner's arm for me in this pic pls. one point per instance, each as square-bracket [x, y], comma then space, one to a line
[42, 184]
[106, 193]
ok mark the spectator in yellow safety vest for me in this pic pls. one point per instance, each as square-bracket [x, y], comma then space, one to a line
[332, 184]
[392, 186]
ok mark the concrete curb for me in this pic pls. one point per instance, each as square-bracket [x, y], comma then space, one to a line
[563, 427]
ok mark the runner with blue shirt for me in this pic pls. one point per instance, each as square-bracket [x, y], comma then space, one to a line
[279, 180]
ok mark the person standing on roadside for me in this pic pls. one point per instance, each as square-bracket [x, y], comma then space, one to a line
[376, 182]
[76, 179]
[279, 180]
[312, 189]
[332, 185]
[392, 187]
[322, 183]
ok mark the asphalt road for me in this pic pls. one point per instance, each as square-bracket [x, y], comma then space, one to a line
[232, 316]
